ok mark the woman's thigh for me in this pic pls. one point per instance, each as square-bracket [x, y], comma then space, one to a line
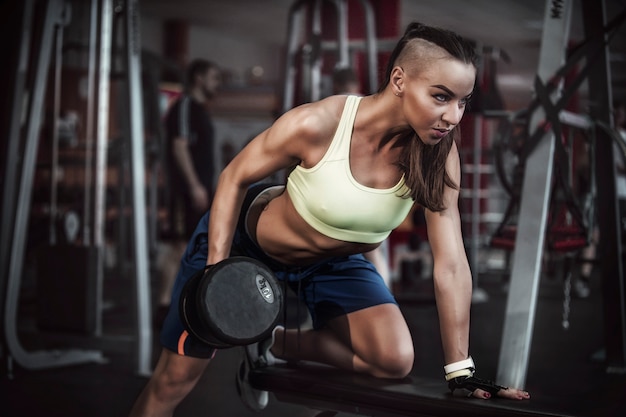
[375, 334]
[339, 287]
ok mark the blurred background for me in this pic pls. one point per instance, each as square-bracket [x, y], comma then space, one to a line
[87, 86]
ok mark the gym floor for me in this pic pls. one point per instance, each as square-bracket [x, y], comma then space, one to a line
[566, 373]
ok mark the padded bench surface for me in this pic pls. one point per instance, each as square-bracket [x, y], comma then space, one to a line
[325, 388]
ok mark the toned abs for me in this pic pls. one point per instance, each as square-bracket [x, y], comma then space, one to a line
[286, 237]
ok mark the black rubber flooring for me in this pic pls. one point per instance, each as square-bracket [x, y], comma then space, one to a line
[566, 373]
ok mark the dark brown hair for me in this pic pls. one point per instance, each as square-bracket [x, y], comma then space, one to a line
[424, 165]
[197, 67]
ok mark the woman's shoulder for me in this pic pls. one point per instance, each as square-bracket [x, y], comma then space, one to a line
[324, 109]
[317, 118]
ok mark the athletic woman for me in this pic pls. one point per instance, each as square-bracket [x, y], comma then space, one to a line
[360, 165]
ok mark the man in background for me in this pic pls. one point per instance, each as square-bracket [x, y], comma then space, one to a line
[189, 160]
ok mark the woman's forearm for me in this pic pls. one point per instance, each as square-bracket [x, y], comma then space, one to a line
[453, 292]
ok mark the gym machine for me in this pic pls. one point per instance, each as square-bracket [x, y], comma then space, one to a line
[536, 187]
[309, 44]
[17, 201]
[15, 215]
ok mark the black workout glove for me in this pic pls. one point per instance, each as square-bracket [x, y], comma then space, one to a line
[460, 375]
[470, 383]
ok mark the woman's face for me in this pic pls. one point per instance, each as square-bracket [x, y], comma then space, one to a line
[435, 97]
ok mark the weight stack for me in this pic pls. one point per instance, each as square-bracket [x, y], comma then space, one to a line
[66, 288]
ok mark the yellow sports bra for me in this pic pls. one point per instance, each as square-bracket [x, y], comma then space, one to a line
[331, 201]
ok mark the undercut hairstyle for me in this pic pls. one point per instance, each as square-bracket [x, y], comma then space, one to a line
[424, 166]
[195, 68]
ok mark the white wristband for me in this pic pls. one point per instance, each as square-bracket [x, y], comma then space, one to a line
[463, 372]
[460, 365]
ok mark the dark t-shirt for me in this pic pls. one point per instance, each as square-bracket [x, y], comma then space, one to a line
[188, 119]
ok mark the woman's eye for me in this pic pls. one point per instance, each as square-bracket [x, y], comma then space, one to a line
[441, 97]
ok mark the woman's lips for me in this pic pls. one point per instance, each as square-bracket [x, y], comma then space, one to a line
[440, 133]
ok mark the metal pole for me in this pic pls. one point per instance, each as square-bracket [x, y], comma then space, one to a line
[530, 237]
[342, 33]
[58, 63]
[370, 37]
[478, 294]
[144, 329]
[315, 59]
[13, 140]
[293, 33]
[11, 164]
[37, 359]
[102, 132]
[93, 26]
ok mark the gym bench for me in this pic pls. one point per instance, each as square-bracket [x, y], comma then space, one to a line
[331, 391]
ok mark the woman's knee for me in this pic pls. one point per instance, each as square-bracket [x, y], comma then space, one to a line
[381, 338]
[395, 362]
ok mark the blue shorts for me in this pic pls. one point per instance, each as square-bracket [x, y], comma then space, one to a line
[330, 288]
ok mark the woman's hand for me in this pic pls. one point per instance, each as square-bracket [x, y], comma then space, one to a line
[460, 376]
[510, 393]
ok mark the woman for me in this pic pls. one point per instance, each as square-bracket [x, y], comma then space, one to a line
[361, 163]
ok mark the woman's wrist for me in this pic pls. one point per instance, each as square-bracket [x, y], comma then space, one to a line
[462, 368]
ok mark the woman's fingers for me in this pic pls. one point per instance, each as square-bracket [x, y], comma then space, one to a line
[510, 393]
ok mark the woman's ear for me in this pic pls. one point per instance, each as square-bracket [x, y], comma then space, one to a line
[397, 80]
